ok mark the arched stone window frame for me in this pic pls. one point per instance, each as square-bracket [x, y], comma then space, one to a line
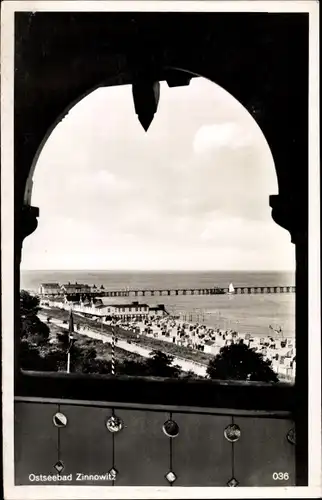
[277, 100]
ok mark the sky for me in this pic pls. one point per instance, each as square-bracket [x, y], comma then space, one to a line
[192, 193]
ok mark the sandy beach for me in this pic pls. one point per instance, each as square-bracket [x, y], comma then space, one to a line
[185, 365]
[196, 337]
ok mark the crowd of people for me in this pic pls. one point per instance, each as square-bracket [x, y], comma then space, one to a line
[279, 350]
[197, 336]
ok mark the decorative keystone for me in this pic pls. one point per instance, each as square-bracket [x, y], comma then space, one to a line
[146, 96]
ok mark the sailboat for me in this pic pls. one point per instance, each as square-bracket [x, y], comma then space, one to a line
[231, 289]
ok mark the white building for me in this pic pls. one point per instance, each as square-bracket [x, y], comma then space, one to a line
[124, 311]
[50, 289]
[54, 302]
[127, 312]
[75, 289]
[107, 311]
[158, 311]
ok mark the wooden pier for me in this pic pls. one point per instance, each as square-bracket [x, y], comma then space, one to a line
[195, 291]
[92, 292]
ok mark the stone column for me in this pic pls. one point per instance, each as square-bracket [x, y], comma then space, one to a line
[293, 216]
[302, 356]
[25, 224]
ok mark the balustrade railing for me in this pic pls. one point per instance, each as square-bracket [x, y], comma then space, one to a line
[128, 432]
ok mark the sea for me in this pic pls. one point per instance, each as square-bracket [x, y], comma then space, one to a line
[249, 313]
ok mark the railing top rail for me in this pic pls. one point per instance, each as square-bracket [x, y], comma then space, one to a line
[179, 392]
[157, 407]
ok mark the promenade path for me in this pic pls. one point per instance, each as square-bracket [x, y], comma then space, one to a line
[185, 364]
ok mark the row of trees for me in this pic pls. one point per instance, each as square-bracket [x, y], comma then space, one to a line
[239, 362]
[36, 353]
[234, 362]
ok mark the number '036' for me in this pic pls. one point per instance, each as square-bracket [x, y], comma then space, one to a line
[281, 476]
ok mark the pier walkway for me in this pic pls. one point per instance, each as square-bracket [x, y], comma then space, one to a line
[196, 291]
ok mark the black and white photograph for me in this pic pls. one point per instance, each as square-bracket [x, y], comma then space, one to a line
[160, 249]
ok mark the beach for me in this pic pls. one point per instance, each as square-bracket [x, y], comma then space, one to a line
[246, 313]
[185, 339]
[185, 365]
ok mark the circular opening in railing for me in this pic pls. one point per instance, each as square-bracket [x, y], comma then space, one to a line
[170, 428]
[291, 436]
[60, 420]
[232, 433]
[114, 424]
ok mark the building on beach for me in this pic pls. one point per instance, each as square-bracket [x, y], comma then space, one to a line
[134, 310]
[56, 301]
[158, 311]
[96, 308]
[71, 290]
[75, 289]
[50, 289]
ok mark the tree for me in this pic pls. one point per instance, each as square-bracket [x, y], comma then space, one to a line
[131, 367]
[96, 365]
[32, 328]
[29, 304]
[31, 358]
[189, 374]
[83, 359]
[160, 365]
[63, 339]
[55, 359]
[239, 362]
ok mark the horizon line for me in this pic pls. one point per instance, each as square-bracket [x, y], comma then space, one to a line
[160, 270]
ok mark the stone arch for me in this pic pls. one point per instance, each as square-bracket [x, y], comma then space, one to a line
[259, 79]
[29, 182]
[182, 74]
[258, 95]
